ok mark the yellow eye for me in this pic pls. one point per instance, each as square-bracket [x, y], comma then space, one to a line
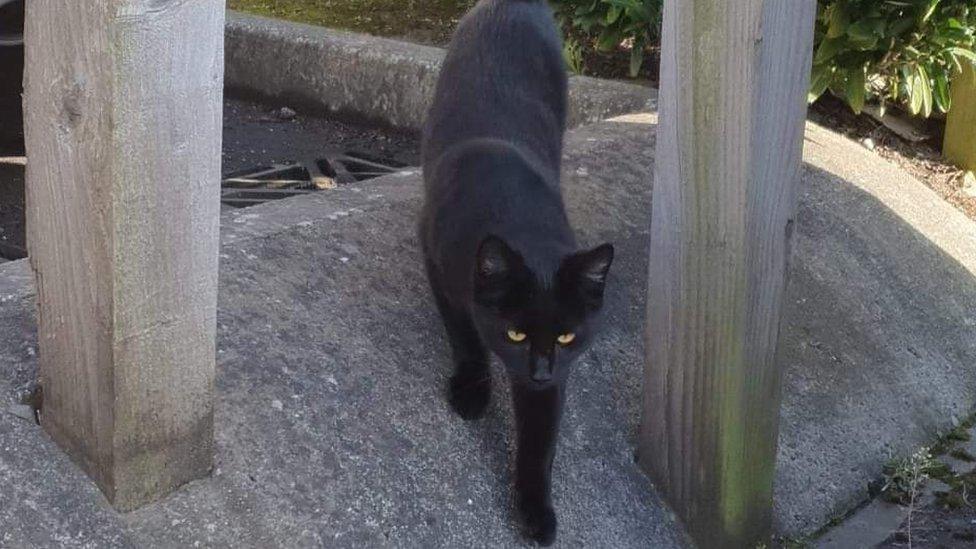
[566, 339]
[516, 337]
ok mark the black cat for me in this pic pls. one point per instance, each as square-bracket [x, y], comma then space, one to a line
[501, 257]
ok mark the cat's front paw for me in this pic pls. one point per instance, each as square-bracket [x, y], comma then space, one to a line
[540, 523]
[469, 395]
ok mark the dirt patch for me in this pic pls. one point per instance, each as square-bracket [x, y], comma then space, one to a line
[923, 160]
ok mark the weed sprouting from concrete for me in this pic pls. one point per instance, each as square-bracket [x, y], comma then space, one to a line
[904, 479]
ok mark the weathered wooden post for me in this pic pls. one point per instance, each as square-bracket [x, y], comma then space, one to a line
[960, 133]
[123, 129]
[732, 109]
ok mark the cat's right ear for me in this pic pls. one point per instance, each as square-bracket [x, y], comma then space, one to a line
[495, 268]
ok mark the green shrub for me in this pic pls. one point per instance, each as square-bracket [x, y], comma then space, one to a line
[892, 51]
[605, 25]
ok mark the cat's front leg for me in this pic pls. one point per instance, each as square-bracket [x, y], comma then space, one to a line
[469, 391]
[537, 414]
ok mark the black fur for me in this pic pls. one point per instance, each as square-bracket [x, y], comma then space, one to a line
[499, 249]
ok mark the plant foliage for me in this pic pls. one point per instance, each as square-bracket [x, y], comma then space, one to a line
[889, 51]
[605, 25]
[892, 51]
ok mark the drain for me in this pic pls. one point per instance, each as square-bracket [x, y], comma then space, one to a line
[258, 185]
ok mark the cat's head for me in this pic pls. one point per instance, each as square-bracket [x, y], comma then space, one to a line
[538, 323]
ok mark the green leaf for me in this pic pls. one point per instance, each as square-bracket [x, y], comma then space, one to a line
[943, 99]
[613, 14]
[828, 49]
[819, 80]
[636, 61]
[927, 14]
[855, 89]
[963, 53]
[863, 30]
[906, 84]
[894, 89]
[951, 61]
[864, 34]
[608, 40]
[839, 21]
[925, 84]
[901, 26]
[954, 24]
[915, 93]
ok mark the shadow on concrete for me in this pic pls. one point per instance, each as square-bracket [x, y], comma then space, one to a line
[879, 349]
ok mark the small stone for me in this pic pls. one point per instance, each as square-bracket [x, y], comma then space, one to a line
[284, 113]
[969, 184]
[868, 143]
[22, 411]
[470, 502]
[277, 405]
[324, 182]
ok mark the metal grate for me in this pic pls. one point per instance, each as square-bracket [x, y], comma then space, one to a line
[258, 185]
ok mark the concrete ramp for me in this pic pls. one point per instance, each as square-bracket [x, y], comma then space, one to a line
[880, 348]
[332, 428]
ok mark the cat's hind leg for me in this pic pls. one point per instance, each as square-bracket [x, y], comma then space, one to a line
[469, 391]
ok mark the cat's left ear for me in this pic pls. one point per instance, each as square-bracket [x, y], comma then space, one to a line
[586, 272]
[498, 269]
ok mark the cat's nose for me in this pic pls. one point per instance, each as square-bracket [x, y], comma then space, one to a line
[542, 375]
[541, 370]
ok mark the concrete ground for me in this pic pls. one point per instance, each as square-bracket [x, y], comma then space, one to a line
[331, 424]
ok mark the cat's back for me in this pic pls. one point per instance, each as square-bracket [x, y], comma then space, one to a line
[503, 78]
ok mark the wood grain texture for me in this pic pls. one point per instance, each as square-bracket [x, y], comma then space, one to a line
[732, 106]
[123, 104]
[960, 132]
